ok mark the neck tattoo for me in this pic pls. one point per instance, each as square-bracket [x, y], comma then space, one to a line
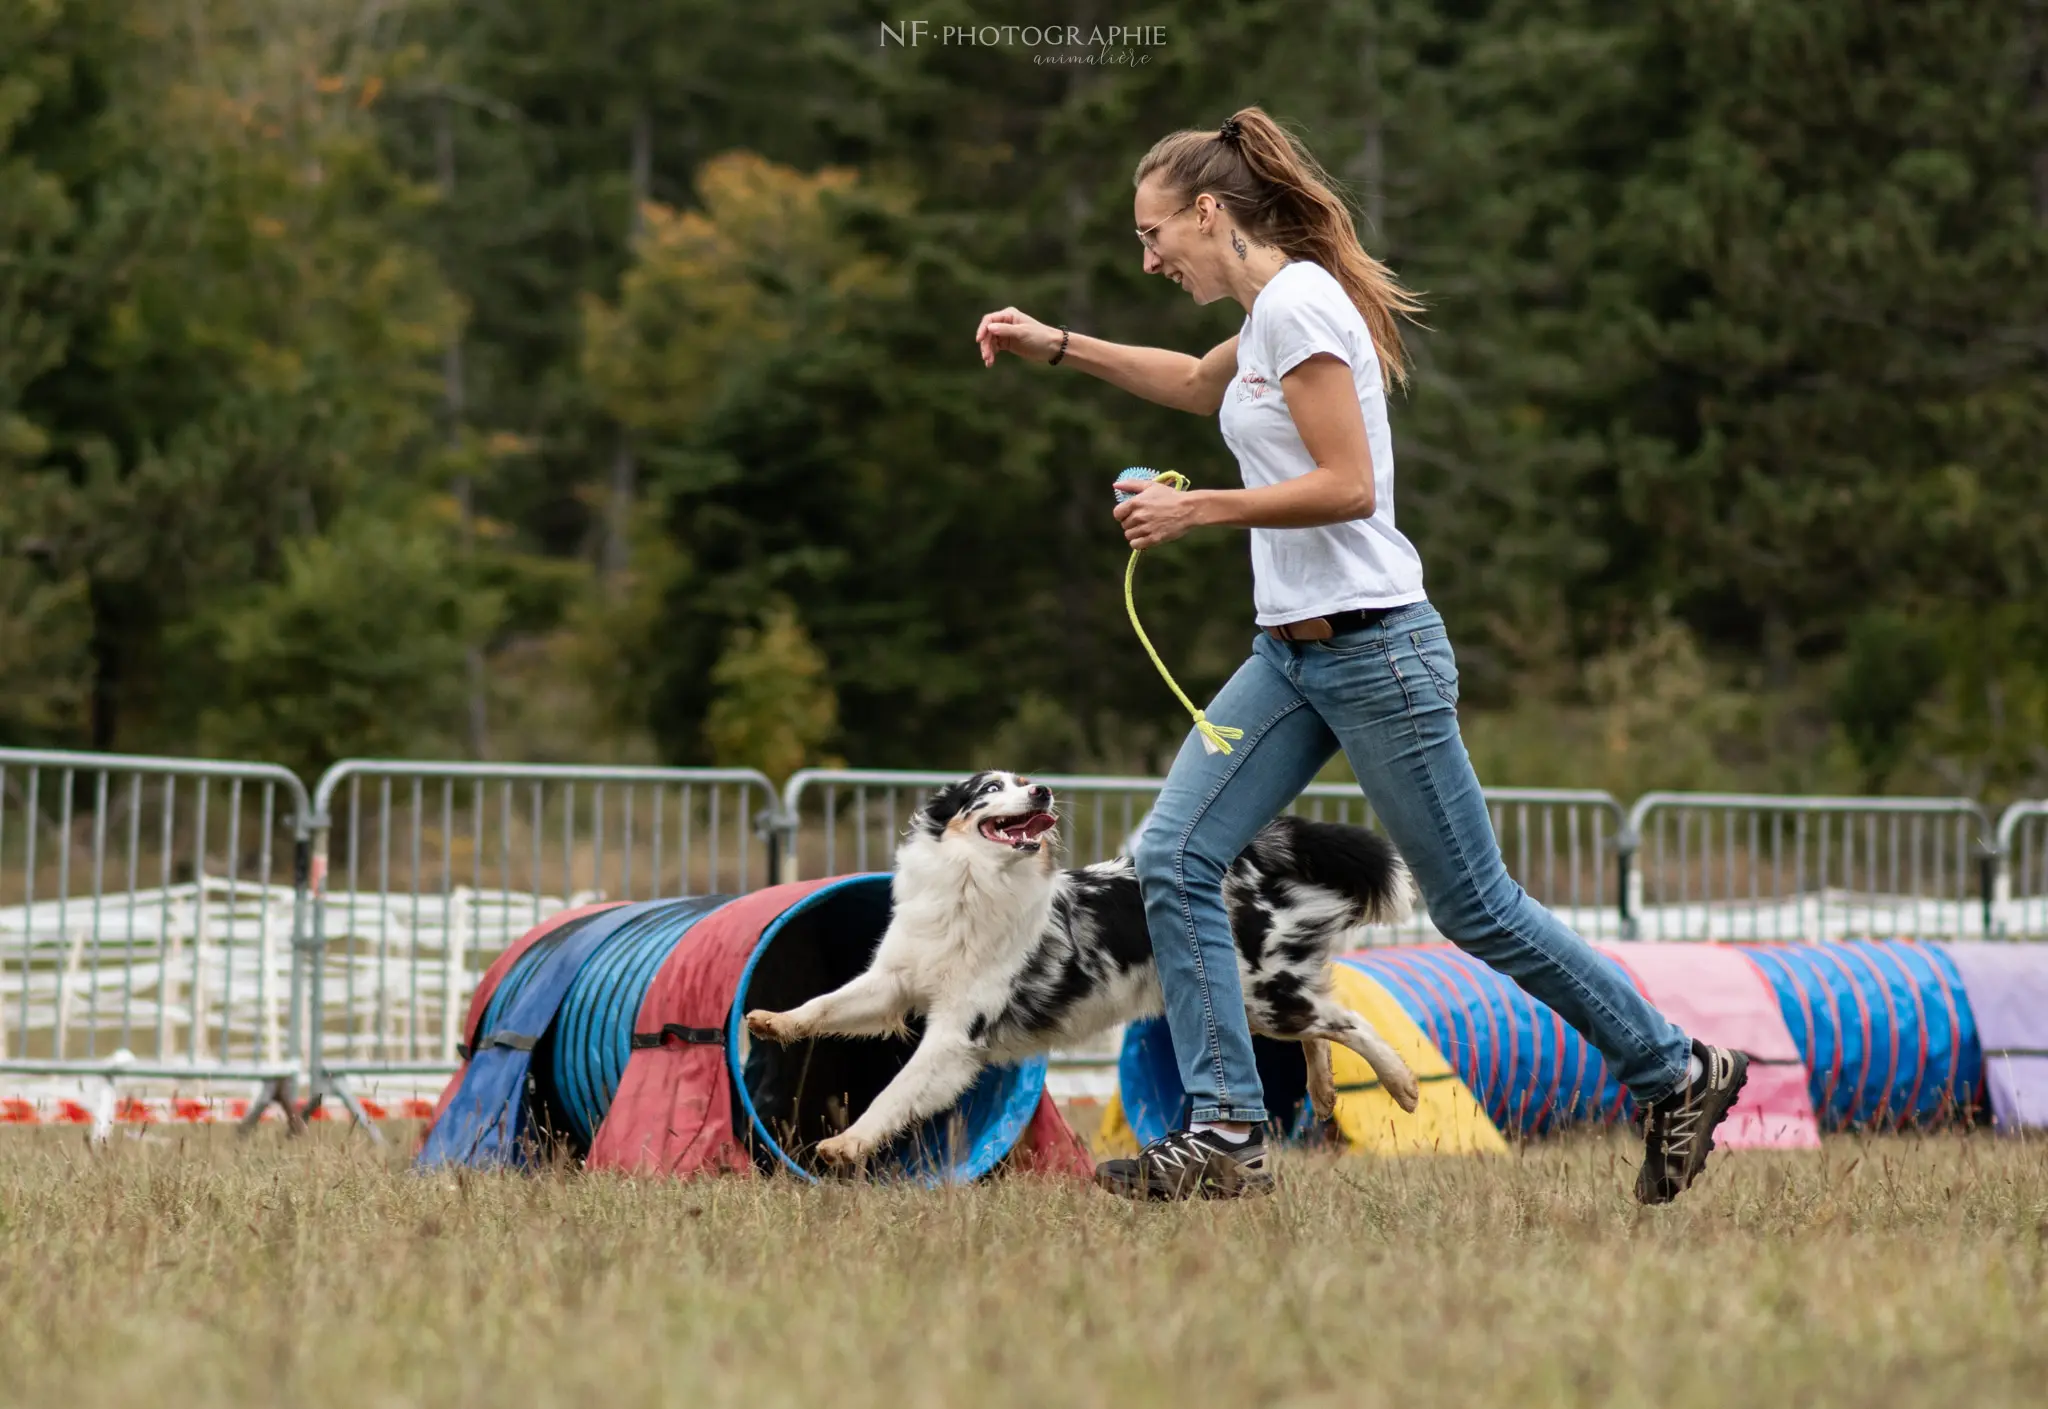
[1237, 243]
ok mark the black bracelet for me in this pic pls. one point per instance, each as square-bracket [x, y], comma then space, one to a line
[1055, 360]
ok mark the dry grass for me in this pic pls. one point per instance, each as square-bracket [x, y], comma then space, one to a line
[195, 1269]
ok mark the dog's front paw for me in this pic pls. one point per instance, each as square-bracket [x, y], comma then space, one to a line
[844, 1151]
[776, 1027]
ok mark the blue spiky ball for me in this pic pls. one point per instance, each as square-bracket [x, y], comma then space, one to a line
[1134, 472]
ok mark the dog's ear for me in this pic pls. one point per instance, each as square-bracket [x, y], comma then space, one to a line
[946, 804]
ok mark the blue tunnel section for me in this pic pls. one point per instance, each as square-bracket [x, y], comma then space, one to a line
[1531, 1072]
[1885, 1028]
[490, 1120]
[593, 1036]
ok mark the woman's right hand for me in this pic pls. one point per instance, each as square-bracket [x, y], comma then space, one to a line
[1007, 330]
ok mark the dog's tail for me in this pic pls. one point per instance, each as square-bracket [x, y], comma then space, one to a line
[1358, 864]
[1390, 898]
[1398, 905]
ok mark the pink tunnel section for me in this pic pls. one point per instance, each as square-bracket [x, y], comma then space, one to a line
[1717, 995]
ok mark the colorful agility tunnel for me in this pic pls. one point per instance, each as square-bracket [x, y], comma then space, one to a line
[613, 1034]
[1844, 1036]
[1864, 1034]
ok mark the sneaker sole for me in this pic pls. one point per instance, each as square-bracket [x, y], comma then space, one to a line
[1249, 1186]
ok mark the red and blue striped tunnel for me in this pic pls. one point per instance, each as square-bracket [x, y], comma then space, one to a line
[1886, 1030]
[613, 1034]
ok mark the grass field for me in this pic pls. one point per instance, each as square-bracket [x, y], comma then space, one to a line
[195, 1269]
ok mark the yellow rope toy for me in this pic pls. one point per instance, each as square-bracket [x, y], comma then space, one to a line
[1215, 737]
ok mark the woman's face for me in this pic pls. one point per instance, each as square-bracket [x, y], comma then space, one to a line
[1177, 247]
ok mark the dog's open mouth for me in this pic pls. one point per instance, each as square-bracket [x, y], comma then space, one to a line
[1021, 831]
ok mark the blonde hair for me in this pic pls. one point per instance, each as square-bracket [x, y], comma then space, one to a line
[1268, 180]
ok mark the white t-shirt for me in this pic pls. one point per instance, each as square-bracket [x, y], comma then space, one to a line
[1306, 572]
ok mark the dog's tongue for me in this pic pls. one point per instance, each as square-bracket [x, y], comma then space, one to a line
[1037, 823]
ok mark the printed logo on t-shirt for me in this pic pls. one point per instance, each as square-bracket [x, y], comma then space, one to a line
[1250, 387]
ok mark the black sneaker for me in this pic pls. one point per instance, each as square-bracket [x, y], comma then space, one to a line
[1678, 1131]
[1203, 1165]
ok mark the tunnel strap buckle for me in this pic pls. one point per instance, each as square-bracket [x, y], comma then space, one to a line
[696, 1036]
[517, 1041]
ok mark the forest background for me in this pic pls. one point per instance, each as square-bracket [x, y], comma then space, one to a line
[537, 380]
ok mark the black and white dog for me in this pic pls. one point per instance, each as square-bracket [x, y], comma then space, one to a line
[1008, 956]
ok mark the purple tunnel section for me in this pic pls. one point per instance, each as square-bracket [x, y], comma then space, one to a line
[2007, 986]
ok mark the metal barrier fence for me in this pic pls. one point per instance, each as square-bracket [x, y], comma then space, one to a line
[187, 969]
[1562, 845]
[193, 921]
[1750, 867]
[423, 872]
[2021, 902]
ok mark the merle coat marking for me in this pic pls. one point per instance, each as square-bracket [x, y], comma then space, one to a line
[1008, 956]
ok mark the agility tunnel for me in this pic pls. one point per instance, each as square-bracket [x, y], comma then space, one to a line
[1853, 1036]
[612, 1036]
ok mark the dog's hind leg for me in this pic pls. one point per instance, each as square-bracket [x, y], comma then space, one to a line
[871, 1005]
[944, 1065]
[1322, 1078]
[1333, 1022]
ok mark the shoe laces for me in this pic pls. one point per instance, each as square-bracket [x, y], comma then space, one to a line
[1175, 1150]
[1675, 1124]
[1179, 1149]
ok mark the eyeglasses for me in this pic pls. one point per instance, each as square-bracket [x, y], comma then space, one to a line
[1145, 235]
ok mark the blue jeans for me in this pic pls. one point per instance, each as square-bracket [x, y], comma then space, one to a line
[1386, 695]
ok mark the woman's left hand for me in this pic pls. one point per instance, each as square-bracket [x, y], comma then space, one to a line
[1157, 514]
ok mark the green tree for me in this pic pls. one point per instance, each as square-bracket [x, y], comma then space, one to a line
[1733, 306]
[357, 648]
[774, 709]
[46, 667]
[1839, 267]
[249, 346]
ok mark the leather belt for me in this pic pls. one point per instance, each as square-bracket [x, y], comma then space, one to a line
[1322, 628]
